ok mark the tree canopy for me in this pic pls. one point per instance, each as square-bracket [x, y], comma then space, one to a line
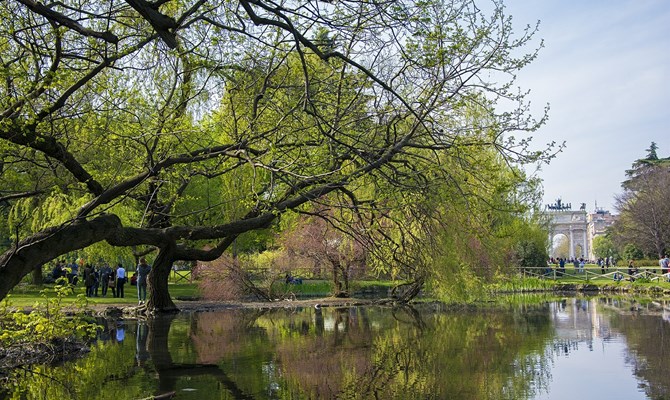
[644, 220]
[180, 126]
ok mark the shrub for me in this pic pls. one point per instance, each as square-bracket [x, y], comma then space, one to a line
[48, 334]
[228, 279]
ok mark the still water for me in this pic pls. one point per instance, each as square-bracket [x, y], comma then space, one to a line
[576, 348]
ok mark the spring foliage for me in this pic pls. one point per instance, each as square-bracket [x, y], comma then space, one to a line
[49, 319]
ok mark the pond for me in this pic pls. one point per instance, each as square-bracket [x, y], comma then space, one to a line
[576, 348]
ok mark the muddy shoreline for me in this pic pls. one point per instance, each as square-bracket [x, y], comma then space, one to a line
[205, 305]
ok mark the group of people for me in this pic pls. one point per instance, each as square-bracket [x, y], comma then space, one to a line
[104, 277]
[633, 270]
[560, 262]
[67, 271]
[603, 262]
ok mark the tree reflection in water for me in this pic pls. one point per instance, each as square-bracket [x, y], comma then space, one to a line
[384, 353]
[648, 339]
[348, 353]
[170, 372]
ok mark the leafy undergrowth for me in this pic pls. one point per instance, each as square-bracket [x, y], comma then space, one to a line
[51, 332]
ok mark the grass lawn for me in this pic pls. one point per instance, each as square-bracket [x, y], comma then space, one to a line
[593, 275]
[322, 287]
[26, 295]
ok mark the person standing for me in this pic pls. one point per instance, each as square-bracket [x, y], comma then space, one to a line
[73, 278]
[105, 273]
[143, 270]
[57, 271]
[631, 270]
[89, 280]
[96, 280]
[665, 264]
[112, 281]
[120, 280]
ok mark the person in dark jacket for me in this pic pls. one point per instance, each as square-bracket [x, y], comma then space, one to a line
[105, 273]
[142, 273]
[89, 280]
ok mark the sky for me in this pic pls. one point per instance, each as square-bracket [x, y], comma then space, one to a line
[605, 72]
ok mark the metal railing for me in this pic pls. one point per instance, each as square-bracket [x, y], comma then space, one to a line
[592, 274]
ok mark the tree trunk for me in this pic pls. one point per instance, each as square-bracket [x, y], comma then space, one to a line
[44, 246]
[339, 290]
[337, 286]
[345, 277]
[159, 299]
[157, 346]
[38, 279]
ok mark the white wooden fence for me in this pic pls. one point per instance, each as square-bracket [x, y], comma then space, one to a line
[592, 274]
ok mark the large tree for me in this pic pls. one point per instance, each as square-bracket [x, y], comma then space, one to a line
[644, 219]
[643, 166]
[604, 247]
[179, 126]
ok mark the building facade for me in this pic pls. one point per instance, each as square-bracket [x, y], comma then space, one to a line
[578, 226]
[598, 222]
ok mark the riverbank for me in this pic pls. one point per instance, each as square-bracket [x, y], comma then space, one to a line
[569, 289]
[205, 305]
[55, 351]
[64, 349]
[620, 288]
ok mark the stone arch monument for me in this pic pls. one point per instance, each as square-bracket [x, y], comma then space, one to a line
[571, 223]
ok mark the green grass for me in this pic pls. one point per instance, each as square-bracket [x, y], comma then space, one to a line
[520, 284]
[594, 273]
[309, 287]
[529, 284]
[321, 287]
[25, 295]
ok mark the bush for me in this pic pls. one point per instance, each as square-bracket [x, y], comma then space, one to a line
[647, 263]
[530, 254]
[632, 252]
[47, 333]
[227, 279]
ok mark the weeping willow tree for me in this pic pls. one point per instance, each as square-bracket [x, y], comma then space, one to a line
[471, 221]
[173, 128]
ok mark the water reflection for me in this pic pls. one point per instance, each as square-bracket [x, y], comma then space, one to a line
[522, 351]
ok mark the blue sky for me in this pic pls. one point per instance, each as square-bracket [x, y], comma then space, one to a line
[605, 71]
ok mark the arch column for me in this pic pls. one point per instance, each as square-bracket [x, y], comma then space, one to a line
[572, 245]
